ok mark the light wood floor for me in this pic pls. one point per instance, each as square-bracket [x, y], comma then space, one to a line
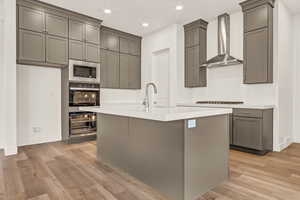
[66, 172]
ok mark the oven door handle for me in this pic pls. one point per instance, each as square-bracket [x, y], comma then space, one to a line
[85, 89]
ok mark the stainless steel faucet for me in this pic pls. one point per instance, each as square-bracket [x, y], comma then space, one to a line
[146, 101]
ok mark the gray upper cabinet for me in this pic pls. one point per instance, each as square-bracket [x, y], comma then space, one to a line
[76, 50]
[110, 69]
[109, 40]
[92, 53]
[31, 46]
[195, 54]
[130, 72]
[57, 25]
[258, 41]
[130, 46]
[77, 30]
[92, 34]
[57, 50]
[50, 36]
[31, 19]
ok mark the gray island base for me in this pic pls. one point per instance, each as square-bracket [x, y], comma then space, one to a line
[181, 159]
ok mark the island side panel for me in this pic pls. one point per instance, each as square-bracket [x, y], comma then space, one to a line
[206, 155]
[113, 141]
[157, 150]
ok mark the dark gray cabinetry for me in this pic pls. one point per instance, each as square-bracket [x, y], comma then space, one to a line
[120, 59]
[110, 69]
[130, 72]
[195, 54]
[258, 41]
[252, 129]
[50, 36]
[31, 46]
[84, 41]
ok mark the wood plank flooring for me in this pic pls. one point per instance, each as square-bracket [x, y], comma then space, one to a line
[71, 172]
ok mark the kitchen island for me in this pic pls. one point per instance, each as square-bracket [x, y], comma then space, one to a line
[181, 152]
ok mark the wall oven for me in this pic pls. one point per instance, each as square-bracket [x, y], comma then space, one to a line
[84, 94]
[80, 71]
[83, 123]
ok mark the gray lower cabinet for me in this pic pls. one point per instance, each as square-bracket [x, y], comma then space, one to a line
[110, 69]
[31, 19]
[31, 46]
[252, 130]
[130, 72]
[247, 132]
[57, 50]
[258, 41]
[57, 25]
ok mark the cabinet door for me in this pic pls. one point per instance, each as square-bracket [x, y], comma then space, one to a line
[248, 132]
[76, 50]
[202, 77]
[192, 64]
[192, 37]
[57, 50]
[92, 53]
[31, 46]
[130, 72]
[256, 18]
[124, 71]
[256, 57]
[130, 46]
[77, 30]
[57, 25]
[92, 34]
[110, 69]
[31, 19]
[109, 40]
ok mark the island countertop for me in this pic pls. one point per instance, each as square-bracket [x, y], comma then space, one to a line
[157, 113]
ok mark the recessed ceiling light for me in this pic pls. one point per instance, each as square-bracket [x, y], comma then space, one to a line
[179, 7]
[145, 24]
[107, 11]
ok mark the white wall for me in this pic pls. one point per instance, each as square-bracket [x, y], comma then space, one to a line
[39, 104]
[2, 136]
[285, 75]
[296, 40]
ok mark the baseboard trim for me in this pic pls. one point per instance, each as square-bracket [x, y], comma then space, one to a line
[10, 151]
[283, 146]
[297, 140]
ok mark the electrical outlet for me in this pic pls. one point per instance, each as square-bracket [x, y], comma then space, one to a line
[36, 129]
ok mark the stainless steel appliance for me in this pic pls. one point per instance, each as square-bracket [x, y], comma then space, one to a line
[84, 94]
[83, 124]
[80, 71]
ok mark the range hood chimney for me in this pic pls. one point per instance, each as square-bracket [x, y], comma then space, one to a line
[223, 58]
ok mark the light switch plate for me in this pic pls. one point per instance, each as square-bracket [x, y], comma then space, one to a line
[192, 123]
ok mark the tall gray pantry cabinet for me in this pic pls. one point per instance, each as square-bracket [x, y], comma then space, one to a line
[195, 54]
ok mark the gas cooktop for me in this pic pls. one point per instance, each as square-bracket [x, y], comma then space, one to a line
[220, 102]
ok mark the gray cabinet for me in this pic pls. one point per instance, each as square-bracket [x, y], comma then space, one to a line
[31, 46]
[252, 129]
[57, 25]
[195, 54]
[92, 53]
[120, 52]
[130, 72]
[76, 50]
[258, 41]
[77, 30]
[92, 34]
[110, 69]
[31, 19]
[109, 40]
[57, 50]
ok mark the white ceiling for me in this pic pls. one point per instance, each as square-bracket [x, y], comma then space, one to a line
[293, 5]
[128, 15]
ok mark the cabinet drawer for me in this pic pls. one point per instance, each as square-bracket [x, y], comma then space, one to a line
[242, 112]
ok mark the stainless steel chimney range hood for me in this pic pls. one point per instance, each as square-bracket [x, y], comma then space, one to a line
[223, 58]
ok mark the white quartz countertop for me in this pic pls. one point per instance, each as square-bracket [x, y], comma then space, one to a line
[157, 113]
[248, 106]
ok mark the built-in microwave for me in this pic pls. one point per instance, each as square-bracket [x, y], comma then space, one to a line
[80, 71]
